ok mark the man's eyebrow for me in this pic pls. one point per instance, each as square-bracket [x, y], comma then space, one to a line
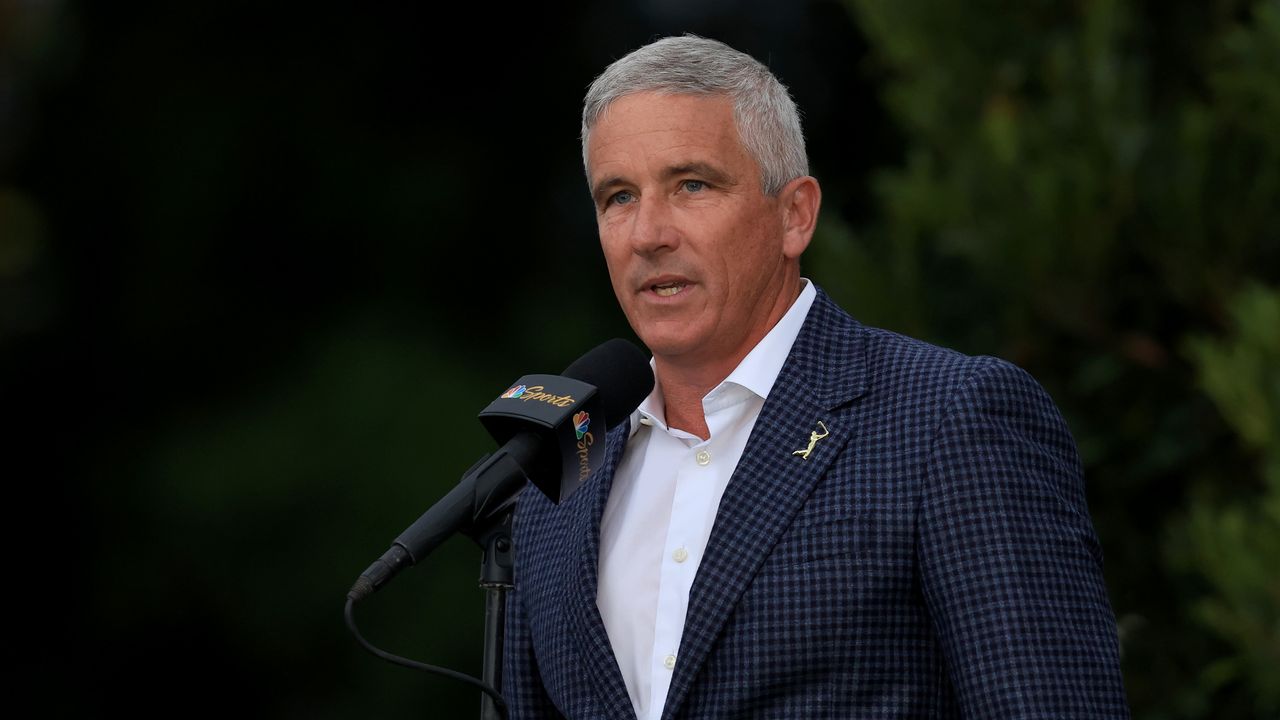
[701, 169]
[600, 189]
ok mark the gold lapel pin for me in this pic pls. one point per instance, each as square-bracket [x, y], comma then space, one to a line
[814, 437]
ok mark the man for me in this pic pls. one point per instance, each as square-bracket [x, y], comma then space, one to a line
[807, 517]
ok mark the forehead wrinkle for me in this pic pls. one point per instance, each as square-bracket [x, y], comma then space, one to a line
[679, 144]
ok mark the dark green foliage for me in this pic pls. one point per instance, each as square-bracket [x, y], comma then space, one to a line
[1084, 187]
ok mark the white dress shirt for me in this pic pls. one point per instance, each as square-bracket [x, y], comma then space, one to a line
[664, 498]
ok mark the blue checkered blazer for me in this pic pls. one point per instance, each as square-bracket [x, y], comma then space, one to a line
[932, 558]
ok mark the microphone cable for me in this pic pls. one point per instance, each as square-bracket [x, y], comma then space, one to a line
[349, 614]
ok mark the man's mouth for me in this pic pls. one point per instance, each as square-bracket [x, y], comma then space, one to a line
[667, 289]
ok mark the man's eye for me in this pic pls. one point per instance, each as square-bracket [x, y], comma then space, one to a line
[621, 198]
[694, 185]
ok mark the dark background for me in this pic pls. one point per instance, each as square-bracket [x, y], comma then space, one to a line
[262, 263]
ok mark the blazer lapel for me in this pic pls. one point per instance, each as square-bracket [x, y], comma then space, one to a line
[823, 373]
[600, 667]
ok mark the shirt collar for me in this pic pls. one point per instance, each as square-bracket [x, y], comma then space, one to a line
[759, 369]
[757, 372]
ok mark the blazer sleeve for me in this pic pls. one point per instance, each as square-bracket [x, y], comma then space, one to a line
[522, 684]
[1011, 569]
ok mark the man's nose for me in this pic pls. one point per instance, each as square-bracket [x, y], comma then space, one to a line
[654, 229]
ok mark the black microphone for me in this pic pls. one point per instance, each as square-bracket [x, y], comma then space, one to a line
[551, 429]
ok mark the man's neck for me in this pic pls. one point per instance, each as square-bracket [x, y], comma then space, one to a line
[686, 381]
[682, 399]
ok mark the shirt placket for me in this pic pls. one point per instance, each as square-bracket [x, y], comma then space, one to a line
[694, 478]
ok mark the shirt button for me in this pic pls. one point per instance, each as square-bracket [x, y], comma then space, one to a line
[680, 555]
[669, 662]
[703, 457]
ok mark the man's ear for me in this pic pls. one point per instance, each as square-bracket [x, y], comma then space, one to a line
[800, 200]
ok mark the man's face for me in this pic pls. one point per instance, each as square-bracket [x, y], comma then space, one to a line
[695, 250]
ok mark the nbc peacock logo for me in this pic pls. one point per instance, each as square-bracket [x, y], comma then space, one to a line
[515, 392]
[581, 421]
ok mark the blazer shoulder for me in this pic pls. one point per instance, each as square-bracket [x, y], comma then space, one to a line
[841, 357]
[894, 359]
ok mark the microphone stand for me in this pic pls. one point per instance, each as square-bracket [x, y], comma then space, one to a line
[497, 579]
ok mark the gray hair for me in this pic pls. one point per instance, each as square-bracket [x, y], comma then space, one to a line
[766, 117]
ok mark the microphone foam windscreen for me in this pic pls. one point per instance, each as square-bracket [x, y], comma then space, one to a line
[620, 371]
